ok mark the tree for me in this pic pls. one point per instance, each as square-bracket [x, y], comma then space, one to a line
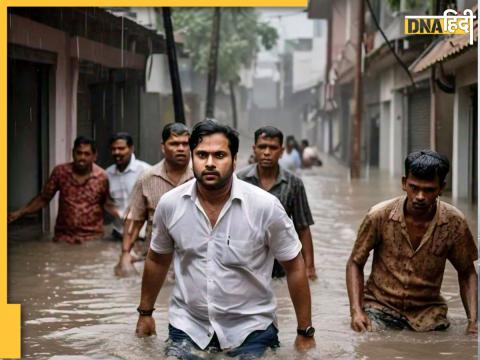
[241, 32]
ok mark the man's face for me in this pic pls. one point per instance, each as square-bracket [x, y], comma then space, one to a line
[212, 161]
[83, 157]
[176, 150]
[121, 152]
[267, 151]
[421, 194]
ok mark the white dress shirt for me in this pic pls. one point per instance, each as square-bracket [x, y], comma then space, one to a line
[223, 274]
[121, 186]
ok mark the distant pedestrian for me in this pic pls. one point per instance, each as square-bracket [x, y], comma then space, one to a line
[172, 171]
[309, 155]
[122, 176]
[291, 159]
[412, 237]
[223, 235]
[285, 186]
[84, 194]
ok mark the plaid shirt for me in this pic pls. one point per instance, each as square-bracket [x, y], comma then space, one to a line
[289, 189]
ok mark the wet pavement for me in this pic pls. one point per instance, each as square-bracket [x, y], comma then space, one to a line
[73, 307]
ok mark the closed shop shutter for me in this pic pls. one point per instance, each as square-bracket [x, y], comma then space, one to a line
[419, 120]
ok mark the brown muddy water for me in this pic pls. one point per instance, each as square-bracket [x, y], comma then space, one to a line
[73, 307]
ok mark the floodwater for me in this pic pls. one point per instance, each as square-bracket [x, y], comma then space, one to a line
[73, 307]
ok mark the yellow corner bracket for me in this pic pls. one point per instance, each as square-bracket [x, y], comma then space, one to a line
[10, 345]
[9, 330]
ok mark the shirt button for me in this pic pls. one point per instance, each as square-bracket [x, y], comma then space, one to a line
[209, 334]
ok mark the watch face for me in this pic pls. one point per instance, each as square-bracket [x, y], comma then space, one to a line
[310, 331]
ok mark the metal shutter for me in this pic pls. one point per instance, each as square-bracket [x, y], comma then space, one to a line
[419, 120]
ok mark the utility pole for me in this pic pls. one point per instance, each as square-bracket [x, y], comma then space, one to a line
[173, 67]
[212, 64]
[358, 96]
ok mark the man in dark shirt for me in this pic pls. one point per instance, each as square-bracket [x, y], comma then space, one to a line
[84, 194]
[288, 188]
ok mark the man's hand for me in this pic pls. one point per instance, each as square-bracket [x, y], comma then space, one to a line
[472, 328]
[304, 343]
[360, 321]
[125, 268]
[311, 273]
[15, 215]
[145, 326]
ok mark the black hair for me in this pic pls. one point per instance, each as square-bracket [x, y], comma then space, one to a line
[305, 142]
[174, 128]
[427, 164]
[209, 127]
[270, 132]
[122, 136]
[83, 140]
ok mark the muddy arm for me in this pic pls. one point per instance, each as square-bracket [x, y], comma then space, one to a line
[468, 282]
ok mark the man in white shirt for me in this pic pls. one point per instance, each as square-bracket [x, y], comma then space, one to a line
[122, 176]
[290, 159]
[224, 234]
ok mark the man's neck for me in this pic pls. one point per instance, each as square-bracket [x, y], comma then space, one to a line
[122, 167]
[80, 172]
[416, 217]
[174, 171]
[268, 173]
[217, 197]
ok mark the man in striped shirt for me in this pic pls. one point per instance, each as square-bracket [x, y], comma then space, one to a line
[269, 175]
[172, 171]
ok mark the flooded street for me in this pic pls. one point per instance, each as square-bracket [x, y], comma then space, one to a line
[74, 307]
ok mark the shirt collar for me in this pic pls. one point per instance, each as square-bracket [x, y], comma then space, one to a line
[281, 176]
[161, 171]
[132, 166]
[397, 213]
[236, 192]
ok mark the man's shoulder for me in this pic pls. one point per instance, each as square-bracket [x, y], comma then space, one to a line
[384, 208]
[172, 196]
[255, 195]
[111, 169]
[450, 212]
[291, 177]
[142, 165]
[244, 172]
[99, 172]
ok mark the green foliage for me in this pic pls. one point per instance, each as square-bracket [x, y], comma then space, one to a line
[240, 32]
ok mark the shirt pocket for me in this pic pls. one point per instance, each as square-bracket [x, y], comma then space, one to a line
[235, 252]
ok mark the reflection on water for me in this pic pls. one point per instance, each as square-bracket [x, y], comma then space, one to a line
[74, 308]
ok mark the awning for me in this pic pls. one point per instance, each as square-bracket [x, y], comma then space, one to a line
[443, 48]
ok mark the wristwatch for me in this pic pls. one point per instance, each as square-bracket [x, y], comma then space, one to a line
[309, 331]
[145, 312]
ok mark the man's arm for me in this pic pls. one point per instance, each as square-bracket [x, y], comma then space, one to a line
[37, 203]
[305, 237]
[360, 320]
[131, 229]
[300, 294]
[468, 282]
[154, 273]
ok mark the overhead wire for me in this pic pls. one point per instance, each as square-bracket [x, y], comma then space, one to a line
[402, 64]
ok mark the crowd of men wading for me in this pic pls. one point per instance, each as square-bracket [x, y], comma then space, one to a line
[220, 237]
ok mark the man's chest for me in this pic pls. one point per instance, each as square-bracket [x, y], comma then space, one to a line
[90, 191]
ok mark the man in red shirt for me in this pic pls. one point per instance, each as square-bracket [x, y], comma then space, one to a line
[84, 194]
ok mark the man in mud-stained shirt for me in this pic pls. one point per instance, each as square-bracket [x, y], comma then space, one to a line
[412, 237]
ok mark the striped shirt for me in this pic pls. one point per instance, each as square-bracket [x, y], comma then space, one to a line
[148, 190]
[289, 189]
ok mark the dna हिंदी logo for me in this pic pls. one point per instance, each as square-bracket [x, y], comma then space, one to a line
[450, 22]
